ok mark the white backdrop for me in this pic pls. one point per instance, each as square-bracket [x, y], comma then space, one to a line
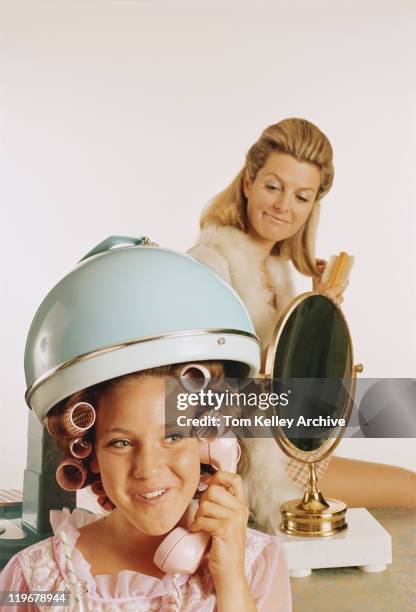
[126, 117]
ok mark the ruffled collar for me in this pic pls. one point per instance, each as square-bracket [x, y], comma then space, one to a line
[127, 584]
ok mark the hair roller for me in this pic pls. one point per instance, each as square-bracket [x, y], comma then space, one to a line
[74, 421]
[80, 448]
[71, 474]
[209, 431]
[97, 488]
[195, 377]
[105, 502]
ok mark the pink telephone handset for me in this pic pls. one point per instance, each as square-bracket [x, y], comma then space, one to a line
[182, 551]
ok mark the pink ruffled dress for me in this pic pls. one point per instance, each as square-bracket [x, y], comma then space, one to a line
[41, 567]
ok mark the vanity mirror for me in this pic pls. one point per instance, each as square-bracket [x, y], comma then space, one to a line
[311, 357]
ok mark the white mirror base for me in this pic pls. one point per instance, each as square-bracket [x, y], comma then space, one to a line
[364, 544]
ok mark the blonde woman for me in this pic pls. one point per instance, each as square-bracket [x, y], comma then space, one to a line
[252, 233]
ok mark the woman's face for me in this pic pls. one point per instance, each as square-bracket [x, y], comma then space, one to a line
[136, 457]
[280, 198]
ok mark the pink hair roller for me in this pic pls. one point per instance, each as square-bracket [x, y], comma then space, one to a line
[71, 474]
[80, 448]
[195, 377]
[103, 500]
[106, 503]
[75, 420]
[97, 488]
[78, 418]
[213, 431]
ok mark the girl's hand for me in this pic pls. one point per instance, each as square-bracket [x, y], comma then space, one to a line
[223, 513]
[335, 292]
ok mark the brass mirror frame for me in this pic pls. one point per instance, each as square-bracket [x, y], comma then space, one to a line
[313, 515]
[285, 444]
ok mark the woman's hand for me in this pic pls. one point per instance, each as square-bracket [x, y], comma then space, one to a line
[335, 292]
[223, 513]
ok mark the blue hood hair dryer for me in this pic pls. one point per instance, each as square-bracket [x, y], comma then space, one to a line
[127, 306]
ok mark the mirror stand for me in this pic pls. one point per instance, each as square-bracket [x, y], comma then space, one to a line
[313, 515]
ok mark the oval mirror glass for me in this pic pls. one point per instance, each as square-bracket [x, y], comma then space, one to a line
[311, 358]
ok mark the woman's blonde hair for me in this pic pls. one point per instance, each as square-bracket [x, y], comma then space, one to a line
[305, 142]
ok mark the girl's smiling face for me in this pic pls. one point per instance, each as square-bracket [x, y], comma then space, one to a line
[149, 474]
[280, 198]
